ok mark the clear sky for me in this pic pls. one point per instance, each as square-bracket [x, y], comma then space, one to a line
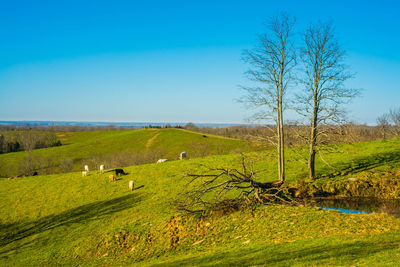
[172, 61]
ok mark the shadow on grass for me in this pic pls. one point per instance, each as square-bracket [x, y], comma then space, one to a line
[361, 164]
[289, 254]
[82, 214]
[136, 188]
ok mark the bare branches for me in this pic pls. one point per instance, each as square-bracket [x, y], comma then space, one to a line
[272, 63]
[324, 74]
[383, 123]
[390, 122]
[394, 115]
[222, 185]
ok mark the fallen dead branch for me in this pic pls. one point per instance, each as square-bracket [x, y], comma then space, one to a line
[230, 188]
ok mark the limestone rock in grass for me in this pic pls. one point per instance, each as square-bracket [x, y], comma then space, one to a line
[352, 179]
[246, 242]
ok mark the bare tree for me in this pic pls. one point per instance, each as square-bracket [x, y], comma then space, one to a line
[324, 91]
[383, 123]
[390, 123]
[272, 62]
[394, 116]
[28, 140]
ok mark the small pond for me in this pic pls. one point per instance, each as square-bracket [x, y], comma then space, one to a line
[361, 205]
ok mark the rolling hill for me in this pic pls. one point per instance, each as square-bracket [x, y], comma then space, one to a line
[73, 220]
[121, 148]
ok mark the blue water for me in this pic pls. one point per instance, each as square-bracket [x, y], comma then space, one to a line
[348, 211]
[361, 205]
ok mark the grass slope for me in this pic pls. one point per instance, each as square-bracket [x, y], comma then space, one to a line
[167, 143]
[69, 219]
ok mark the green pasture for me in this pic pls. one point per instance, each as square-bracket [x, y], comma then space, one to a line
[67, 219]
[165, 143]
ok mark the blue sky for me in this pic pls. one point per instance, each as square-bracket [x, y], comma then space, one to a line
[172, 61]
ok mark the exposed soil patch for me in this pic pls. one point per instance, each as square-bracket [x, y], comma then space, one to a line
[151, 140]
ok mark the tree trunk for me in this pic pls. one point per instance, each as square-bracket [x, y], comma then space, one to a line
[278, 130]
[311, 162]
[282, 149]
[313, 143]
[384, 133]
[281, 138]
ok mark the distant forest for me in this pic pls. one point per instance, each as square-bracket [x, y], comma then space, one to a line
[298, 134]
[26, 140]
[20, 138]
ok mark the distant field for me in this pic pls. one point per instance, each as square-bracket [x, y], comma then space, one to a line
[162, 143]
[74, 220]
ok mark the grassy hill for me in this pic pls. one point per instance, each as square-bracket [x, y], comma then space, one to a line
[119, 148]
[75, 220]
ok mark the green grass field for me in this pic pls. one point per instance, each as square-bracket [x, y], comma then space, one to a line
[73, 220]
[164, 143]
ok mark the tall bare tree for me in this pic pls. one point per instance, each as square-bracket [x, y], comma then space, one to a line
[394, 116]
[383, 123]
[324, 91]
[271, 64]
[390, 121]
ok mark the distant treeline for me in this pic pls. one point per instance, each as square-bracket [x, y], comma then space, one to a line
[298, 134]
[60, 128]
[388, 126]
[294, 134]
[76, 128]
[32, 164]
[27, 140]
[20, 138]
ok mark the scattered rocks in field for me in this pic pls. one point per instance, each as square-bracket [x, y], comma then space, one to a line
[352, 179]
